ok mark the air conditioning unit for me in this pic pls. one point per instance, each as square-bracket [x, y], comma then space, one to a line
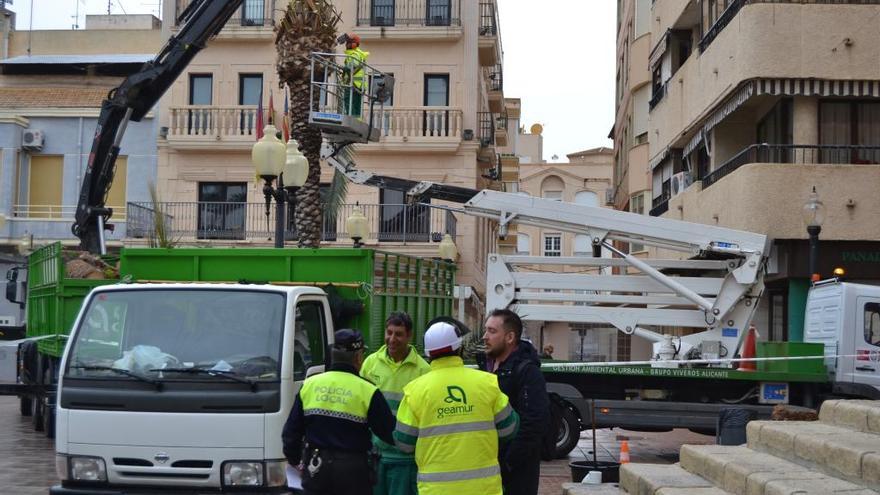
[609, 196]
[679, 183]
[32, 139]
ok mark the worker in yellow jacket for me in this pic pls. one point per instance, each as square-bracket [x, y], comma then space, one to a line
[391, 368]
[354, 80]
[453, 419]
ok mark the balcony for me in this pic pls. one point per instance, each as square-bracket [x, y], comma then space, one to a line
[495, 76]
[254, 20]
[52, 222]
[795, 154]
[501, 129]
[199, 127]
[486, 130]
[489, 44]
[188, 222]
[409, 19]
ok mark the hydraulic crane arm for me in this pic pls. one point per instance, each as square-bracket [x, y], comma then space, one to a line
[201, 20]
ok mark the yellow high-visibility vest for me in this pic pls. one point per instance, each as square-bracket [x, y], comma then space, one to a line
[391, 377]
[337, 394]
[355, 58]
[453, 418]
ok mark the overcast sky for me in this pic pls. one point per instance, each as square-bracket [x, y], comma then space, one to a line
[558, 58]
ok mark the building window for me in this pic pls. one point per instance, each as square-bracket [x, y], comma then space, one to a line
[582, 245]
[553, 195]
[382, 13]
[201, 92]
[587, 198]
[400, 221]
[553, 245]
[222, 208]
[45, 186]
[552, 187]
[250, 90]
[436, 122]
[637, 205]
[439, 12]
[116, 194]
[253, 13]
[523, 244]
[849, 123]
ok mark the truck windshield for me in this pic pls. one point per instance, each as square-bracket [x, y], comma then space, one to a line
[232, 332]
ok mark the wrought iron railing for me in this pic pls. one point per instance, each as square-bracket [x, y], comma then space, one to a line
[185, 221]
[488, 19]
[388, 13]
[795, 153]
[487, 128]
[256, 13]
[496, 78]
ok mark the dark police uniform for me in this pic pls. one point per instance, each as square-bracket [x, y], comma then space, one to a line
[334, 413]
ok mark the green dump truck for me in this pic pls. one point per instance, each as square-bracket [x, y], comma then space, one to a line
[361, 286]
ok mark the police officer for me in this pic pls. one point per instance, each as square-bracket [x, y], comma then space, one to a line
[335, 412]
[453, 419]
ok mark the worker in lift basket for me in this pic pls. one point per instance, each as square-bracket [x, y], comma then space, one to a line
[334, 413]
[353, 80]
[453, 419]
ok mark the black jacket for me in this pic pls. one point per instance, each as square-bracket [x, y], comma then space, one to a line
[336, 433]
[527, 391]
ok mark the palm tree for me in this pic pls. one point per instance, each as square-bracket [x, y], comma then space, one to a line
[308, 26]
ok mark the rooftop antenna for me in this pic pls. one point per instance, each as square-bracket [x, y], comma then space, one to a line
[109, 4]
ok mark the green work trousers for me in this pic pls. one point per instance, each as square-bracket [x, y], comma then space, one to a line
[352, 102]
[396, 477]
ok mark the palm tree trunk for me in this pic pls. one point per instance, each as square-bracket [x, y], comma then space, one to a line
[309, 212]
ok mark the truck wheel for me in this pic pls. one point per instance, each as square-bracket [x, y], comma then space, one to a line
[24, 406]
[569, 433]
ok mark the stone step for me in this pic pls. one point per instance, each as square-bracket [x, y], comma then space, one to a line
[858, 415]
[834, 450]
[664, 479]
[743, 471]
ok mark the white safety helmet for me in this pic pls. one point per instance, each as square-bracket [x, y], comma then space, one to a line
[441, 338]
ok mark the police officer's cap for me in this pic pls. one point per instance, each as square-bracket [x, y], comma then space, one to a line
[348, 340]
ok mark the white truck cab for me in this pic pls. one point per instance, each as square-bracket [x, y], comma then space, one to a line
[184, 387]
[845, 317]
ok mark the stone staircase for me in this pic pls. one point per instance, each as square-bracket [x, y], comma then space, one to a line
[840, 453]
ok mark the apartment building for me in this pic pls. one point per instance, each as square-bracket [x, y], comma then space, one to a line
[52, 83]
[754, 103]
[445, 123]
[632, 178]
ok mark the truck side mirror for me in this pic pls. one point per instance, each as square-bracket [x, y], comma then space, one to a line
[12, 286]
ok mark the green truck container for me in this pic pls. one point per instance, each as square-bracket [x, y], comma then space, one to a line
[382, 282]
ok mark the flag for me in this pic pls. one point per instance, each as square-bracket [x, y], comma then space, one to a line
[259, 123]
[272, 119]
[285, 120]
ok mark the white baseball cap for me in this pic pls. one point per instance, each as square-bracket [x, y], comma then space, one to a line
[441, 338]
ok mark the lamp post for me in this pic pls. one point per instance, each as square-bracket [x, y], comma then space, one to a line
[272, 161]
[814, 215]
[356, 226]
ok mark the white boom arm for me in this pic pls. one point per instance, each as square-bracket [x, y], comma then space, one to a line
[722, 304]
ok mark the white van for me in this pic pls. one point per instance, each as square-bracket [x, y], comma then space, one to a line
[184, 387]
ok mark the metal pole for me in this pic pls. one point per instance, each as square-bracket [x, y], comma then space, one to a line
[814, 231]
[279, 212]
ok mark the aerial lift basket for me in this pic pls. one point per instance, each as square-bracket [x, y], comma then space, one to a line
[347, 109]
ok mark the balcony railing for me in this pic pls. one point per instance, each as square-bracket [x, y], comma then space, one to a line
[795, 153]
[186, 221]
[56, 212]
[488, 19]
[413, 122]
[496, 78]
[387, 13]
[256, 13]
[487, 128]
[734, 7]
[657, 97]
[214, 121]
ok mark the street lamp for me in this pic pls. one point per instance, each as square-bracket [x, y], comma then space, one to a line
[447, 249]
[272, 161]
[814, 215]
[356, 226]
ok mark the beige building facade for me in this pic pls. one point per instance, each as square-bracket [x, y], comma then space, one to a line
[754, 103]
[446, 58]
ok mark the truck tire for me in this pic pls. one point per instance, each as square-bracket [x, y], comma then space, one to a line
[24, 406]
[569, 433]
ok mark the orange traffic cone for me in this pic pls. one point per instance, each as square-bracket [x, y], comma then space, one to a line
[624, 452]
[749, 351]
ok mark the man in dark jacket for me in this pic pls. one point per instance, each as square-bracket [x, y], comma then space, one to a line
[516, 363]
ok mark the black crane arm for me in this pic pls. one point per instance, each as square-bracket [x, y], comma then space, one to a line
[199, 22]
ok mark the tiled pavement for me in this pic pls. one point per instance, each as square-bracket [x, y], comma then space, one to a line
[27, 460]
[655, 448]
